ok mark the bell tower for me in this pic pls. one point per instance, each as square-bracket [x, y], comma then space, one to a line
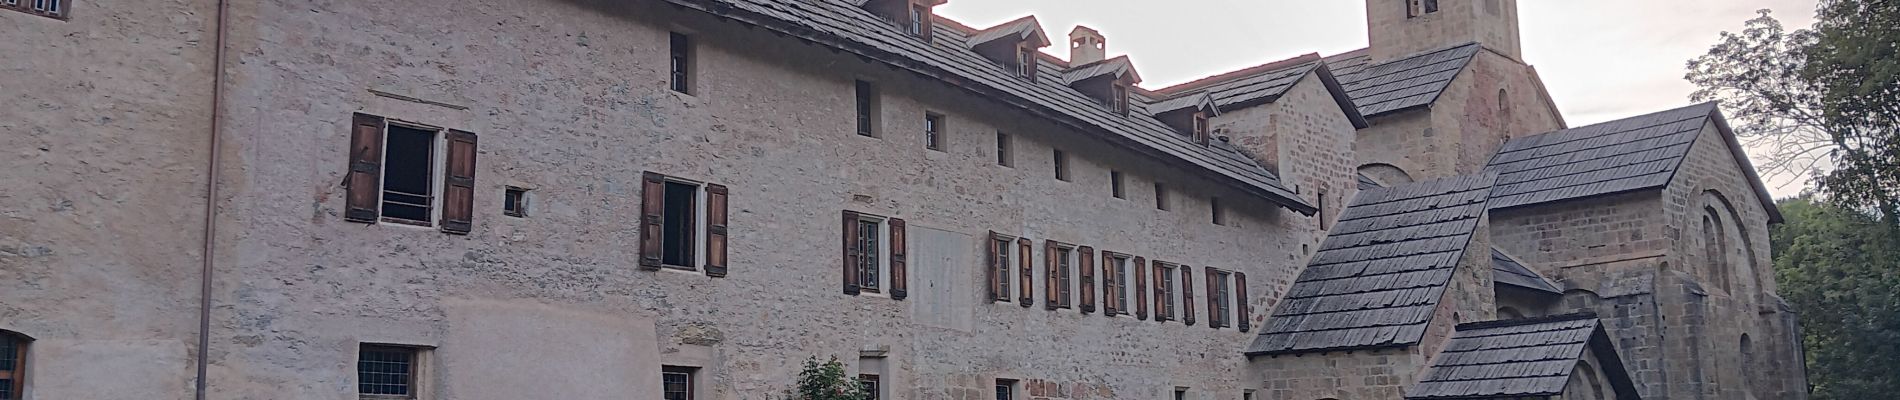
[1399, 28]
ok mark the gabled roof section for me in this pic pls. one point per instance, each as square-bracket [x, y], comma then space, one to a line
[1383, 269]
[1401, 84]
[1118, 67]
[1192, 101]
[948, 59]
[1022, 29]
[1265, 83]
[1507, 270]
[1520, 358]
[1636, 153]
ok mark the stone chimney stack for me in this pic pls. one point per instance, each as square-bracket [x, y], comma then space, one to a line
[1086, 46]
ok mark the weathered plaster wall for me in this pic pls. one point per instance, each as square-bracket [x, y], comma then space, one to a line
[104, 125]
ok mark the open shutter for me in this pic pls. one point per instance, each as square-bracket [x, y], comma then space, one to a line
[652, 208]
[1111, 286]
[1215, 319]
[458, 184]
[850, 253]
[364, 180]
[991, 269]
[1141, 289]
[898, 285]
[716, 230]
[1161, 293]
[1187, 295]
[1087, 267]
[1050, 282]
[1023, 257]
[1240, 301]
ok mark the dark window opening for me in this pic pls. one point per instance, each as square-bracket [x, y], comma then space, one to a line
[866, 106]
[1322, 209]
[1161, 196]
[1115, 185]
[1180, 393]
[1431, 6]
[408, 175]
[933, 132]
[682, 62]
[1005, 389]
[1063, 294]
[1003, 157]
[871, 386]
[676, 383]
[514, 202]
[1200, 128]
[12, 365]
[1220, 216]
[386, 372]
[1062, 166]
[678, 225]
[866, 249]
[1001, 267]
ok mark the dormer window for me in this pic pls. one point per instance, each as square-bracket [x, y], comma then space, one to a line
[1026, 63]
[913, 17]
[1118, 98]
[1200, 128]
[920, 21]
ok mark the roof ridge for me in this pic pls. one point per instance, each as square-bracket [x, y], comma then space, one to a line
[1504, 323]
[1211, 80]
[1633, 117]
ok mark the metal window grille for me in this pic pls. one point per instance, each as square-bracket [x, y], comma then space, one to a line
[385, 372]
[9, 366]
[867, 256]
[677, 384]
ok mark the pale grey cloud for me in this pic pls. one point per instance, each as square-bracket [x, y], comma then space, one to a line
[1602, 59]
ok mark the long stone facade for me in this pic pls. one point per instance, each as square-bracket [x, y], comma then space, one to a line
[143, 172]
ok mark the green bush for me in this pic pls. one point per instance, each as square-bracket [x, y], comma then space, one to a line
[826, 381]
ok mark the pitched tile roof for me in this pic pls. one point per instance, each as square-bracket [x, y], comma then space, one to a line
[1508, 270]
[1266, 83]
[1613, 157]
[1379, 276]
[1114, 66]
[1025, 28]
[1519, 358]
[1401, 84]
[1196, 100]
[846, 27]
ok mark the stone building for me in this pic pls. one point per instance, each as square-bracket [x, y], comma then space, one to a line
[596, 199]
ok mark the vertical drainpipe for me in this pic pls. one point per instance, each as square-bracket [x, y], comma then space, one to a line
[211, 203]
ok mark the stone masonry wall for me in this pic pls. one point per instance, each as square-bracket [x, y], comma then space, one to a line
[1460, 132]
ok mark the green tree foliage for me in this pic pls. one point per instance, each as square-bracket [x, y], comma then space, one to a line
[826, 381]
[1826, 96]
[1836, 269]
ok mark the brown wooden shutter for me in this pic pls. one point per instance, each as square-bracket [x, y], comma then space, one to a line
[1050, 282]
[363, 182]
[1187, 295]
[1025, 258]
[1141, 289]
[1161, 293]
[1110, 285]
[716, 230]
[850, 253]
[990, 268]
[458, 184]
[1087, 267]
[652, 209]
[1240, 301]
[1215, 319]
[898, 282]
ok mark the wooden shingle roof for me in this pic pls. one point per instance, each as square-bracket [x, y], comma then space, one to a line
[1400, 84]
[1506, 270]
[1379, 276]
[1520, 358]
[948, 58]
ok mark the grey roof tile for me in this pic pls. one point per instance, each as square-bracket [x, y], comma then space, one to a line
[1508, 359]
[844, 25]
[1508, 270]
[1025, 28]
[1634, 153]
[1379, 276]
[1400, 84]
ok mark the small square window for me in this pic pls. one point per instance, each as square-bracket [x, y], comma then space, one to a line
[514, 202]
[933, 131]
[386, 372]
[1115, 186]
[1004, 154]
[676, 383]
[1062, 166]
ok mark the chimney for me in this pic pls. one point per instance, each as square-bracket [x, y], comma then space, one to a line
[1086, 46]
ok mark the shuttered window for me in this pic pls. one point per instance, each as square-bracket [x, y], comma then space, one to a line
[1000, 268]
[683, 225]
[1218, 298]
[1140, 294]
[395, 171]
[1164, 291]
[875, 255]
[1114, 283]
[1085, 268]
[1187, 294]
[1240, 300]
[1058, 275]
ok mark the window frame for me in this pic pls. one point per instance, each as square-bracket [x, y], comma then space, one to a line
[1062, 165]
[692, 376]
[934, 131]
[1122, 265]
[1116, 184]
[16, 372]
[872, 384]
[680, 62]
[1168, 270]
[1161, 196]
[1005, 150]
[416, 379]
[1004, 266]
[880, 259]
[438, 166]
[920, 21]
[1026, 62]
[1065, 281]
[1118, 98]
[1222, 295]
[63, 9]
[700, 235]
[865, 102]
[1218, 214]
[1006, 389]
[514, 201]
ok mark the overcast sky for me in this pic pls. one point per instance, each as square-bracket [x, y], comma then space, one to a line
[1602, 59]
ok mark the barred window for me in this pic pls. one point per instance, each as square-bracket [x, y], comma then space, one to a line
[676, 383]
[12, 365]
[386, 372]
[871, 386]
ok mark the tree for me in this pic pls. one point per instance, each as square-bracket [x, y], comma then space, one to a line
[1827, 97]
[826, 381]
[1835, 269]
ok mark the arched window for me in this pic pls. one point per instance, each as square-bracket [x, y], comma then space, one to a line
[12, 364]
[1748, 367]
[1504, 104]
[1715, 248]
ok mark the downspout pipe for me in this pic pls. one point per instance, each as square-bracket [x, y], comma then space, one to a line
[211, 203]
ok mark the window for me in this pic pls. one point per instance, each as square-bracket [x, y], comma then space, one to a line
[1165, 290]
[1115, 185]
[682, 62]
[1220, 216]
[999, 265]
[1118, 98]
[867, 108]
[871, 387]
[1246, 395]
[514, 202]
[1026, 63]
[1715, 248]
[386, 372]
[1003, 153]
[1062, 166]
[410, 174]
[1431, 6]
[12, 365]
[933, 131]
[45, 8]
[1005, 389]
[867, 249]
[874, 255]
[919, 21]
[1221, 297]
[684, 225]
[1180, 393]
[1504, 104]
[1200, 128]
[1161, 196]
[676, 383]
[1064, 276]
[1322, 208]
[1116, 287]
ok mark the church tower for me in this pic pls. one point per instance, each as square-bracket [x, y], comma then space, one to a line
[1405, 27]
